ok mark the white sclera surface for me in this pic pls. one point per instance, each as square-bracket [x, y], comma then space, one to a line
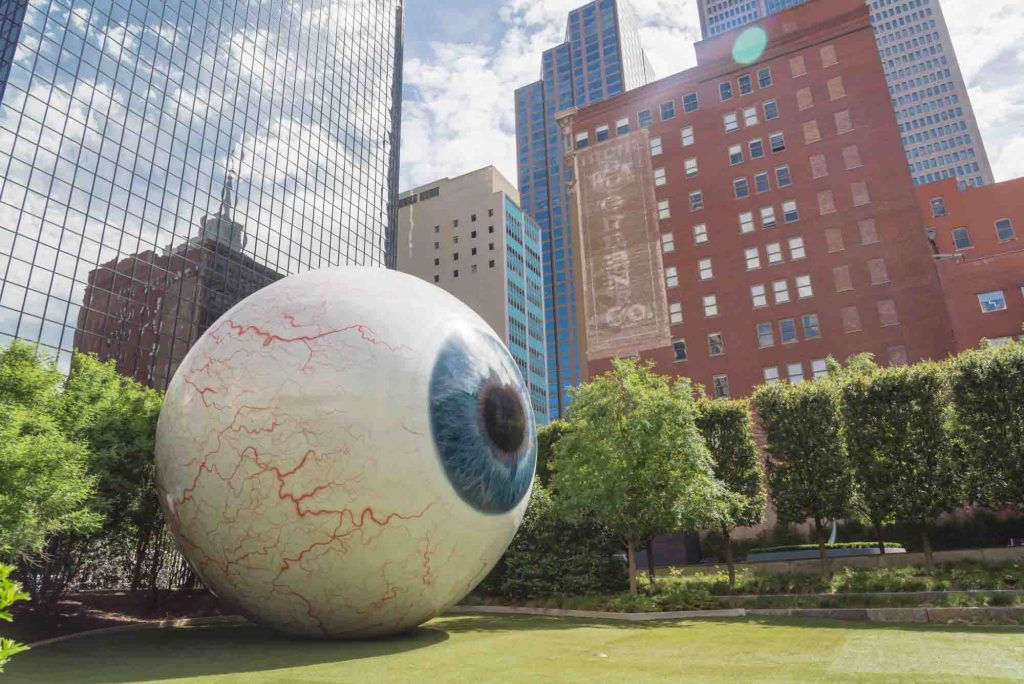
[296, 466]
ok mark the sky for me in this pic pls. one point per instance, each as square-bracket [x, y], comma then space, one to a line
[465, 58]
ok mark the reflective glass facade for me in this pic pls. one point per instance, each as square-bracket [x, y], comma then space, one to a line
[940, 133]
[601, 57]
[162, 159]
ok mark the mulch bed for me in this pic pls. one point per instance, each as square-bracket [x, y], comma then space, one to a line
[95, 610]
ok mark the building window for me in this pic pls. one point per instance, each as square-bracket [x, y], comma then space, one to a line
[437, 229]
[828, 56]
[836, 90]
[1004, 230]
[790, 212]
[671, 277]
[679, 348]
[761, 183]
[768, 217]
[844, 124]
[716, 345]
[774, 252]
[696, 200]
[771, 110]
[804, 99]
[811, 132]
[851, 319]
[758, 296]
[691, 167]
[803, 287]
[819, 167]
[992, 301]
[721, 383]
[771, 375]
[437, 262]
[644, 119]
[700, 234]
[746, 84]
[750, 116]
[796, 248]
[938, 206]
[795, 373]
[756, 148]
[735, 155]
[787, 331]
[490, 229]
[659, 177]
[819, 368]
[710, 306]
[962, 238]
[622, 126]
[811, 329]
[690, 103]
[455, 273]
[764, 77]
[747, 222]
[437, 278]
[675, 313]
[472, 234]
[687, 135]
[741, 188]
[582, 140]
[474, 251]
[437, 245]
[783, 178]
[780, 288]
[663, 210]
[851, 157]
[765, 335]
[455, 257]
[705, 270]
[473, 268]
[490, 264]
[490, 212]
[778, 142]
[668, 243]
[731, 122]
[668, 110]
[753, 258]
[602, 133]
[725, 91]
[798, 66]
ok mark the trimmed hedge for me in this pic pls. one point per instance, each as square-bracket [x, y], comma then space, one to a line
[814, 547]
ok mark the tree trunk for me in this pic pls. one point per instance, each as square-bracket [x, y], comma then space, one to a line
[728, 556]
[878, 534]
[926, 546]
[650, 562]
[822, 553]
[631, 555]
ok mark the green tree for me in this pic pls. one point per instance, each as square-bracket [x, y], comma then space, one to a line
[550, 556]
[809, 471]
[547, 436]
[728, 433]
[44, 483]
[10, 593]
[633, 459]
[27, 378]
[904, 463]
[988, 424]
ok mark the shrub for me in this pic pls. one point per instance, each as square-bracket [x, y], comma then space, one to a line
[551, 557]
[10, 593]
[814, 547]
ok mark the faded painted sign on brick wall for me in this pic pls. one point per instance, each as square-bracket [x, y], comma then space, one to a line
[620, 251]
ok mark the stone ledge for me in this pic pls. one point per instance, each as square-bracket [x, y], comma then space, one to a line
[598, 614]
[149, 624]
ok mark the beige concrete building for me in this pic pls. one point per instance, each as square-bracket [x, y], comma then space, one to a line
[469, 236]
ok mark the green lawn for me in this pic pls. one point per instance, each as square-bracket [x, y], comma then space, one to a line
[479, 650]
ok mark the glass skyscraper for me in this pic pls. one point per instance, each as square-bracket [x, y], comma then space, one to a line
[940, 133]
[601, 57]
[162, 159]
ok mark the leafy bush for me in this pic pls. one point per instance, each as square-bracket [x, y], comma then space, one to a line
[814, 547]
[551, 557]
[10, 593]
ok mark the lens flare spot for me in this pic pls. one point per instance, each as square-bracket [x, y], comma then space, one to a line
[750, 45]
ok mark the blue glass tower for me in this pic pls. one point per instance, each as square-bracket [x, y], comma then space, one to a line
[601, 57]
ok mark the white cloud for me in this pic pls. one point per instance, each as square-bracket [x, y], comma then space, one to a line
[459, 112]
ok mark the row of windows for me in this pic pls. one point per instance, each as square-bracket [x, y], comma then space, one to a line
[730, 120]
[745, 84]
[1004, 233]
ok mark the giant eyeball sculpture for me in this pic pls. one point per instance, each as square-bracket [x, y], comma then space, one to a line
[346, 453]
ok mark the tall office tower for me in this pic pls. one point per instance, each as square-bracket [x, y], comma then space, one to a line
[161, 159]
[469, 236]
[938, 128]
[601, 57]
[773, 188]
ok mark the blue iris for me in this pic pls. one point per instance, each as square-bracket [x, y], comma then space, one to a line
[482, 423]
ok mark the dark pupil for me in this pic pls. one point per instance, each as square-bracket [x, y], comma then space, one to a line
[504, 418]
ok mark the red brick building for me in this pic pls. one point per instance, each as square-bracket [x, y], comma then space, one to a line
[977, 237]
[789, 225]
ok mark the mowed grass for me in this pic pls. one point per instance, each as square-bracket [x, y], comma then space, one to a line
[479, 649]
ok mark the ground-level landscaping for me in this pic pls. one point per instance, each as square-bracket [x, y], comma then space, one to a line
[542, 649]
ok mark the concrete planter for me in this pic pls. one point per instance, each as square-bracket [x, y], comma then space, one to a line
[812, 554]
